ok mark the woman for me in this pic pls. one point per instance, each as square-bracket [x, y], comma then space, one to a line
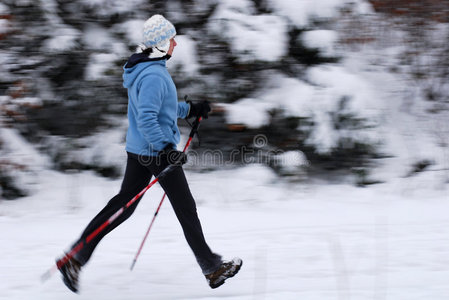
[151, 141]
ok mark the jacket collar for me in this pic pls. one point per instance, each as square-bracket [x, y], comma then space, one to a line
[137, 58]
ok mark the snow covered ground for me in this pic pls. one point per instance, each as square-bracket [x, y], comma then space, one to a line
[298, 241]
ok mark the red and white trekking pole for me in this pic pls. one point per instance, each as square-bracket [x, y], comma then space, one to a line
[77, 248]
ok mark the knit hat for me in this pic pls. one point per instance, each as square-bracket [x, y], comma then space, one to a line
[157, 32]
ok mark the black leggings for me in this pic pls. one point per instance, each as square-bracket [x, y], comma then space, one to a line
[139, 170]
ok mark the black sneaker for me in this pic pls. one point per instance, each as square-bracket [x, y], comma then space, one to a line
[70, 274]
[227, 270]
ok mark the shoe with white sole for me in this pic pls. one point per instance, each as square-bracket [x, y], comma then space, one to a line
[227, 270]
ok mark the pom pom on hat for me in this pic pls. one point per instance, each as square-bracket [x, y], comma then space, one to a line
[157, 32]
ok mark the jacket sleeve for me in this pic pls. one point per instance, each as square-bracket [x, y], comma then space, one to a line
[149, 102]
[183, 109]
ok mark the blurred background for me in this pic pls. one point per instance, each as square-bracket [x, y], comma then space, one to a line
[337, 86]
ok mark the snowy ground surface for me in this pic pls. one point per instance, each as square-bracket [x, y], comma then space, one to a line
[306, 241]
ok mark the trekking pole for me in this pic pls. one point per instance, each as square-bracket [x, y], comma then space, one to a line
[192, 133]
[77, 248]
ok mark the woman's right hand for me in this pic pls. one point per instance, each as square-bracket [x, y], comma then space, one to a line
[172, 156]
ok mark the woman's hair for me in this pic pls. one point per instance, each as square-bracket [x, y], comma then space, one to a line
[147, 51]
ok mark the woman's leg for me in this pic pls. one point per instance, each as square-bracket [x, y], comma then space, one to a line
[177, 189]
[135, 179]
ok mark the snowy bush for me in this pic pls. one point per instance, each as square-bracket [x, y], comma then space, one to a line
[19, 165]
[276, 68]
[252, 37]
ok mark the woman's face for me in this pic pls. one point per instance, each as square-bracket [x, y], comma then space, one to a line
[172, 46]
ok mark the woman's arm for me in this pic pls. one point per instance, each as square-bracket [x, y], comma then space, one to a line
[183, 109]
[149, 102]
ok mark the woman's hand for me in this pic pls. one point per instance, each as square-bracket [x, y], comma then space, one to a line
[200, 109]
[173, 156]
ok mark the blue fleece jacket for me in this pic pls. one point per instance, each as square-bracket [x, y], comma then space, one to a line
[153, 107]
